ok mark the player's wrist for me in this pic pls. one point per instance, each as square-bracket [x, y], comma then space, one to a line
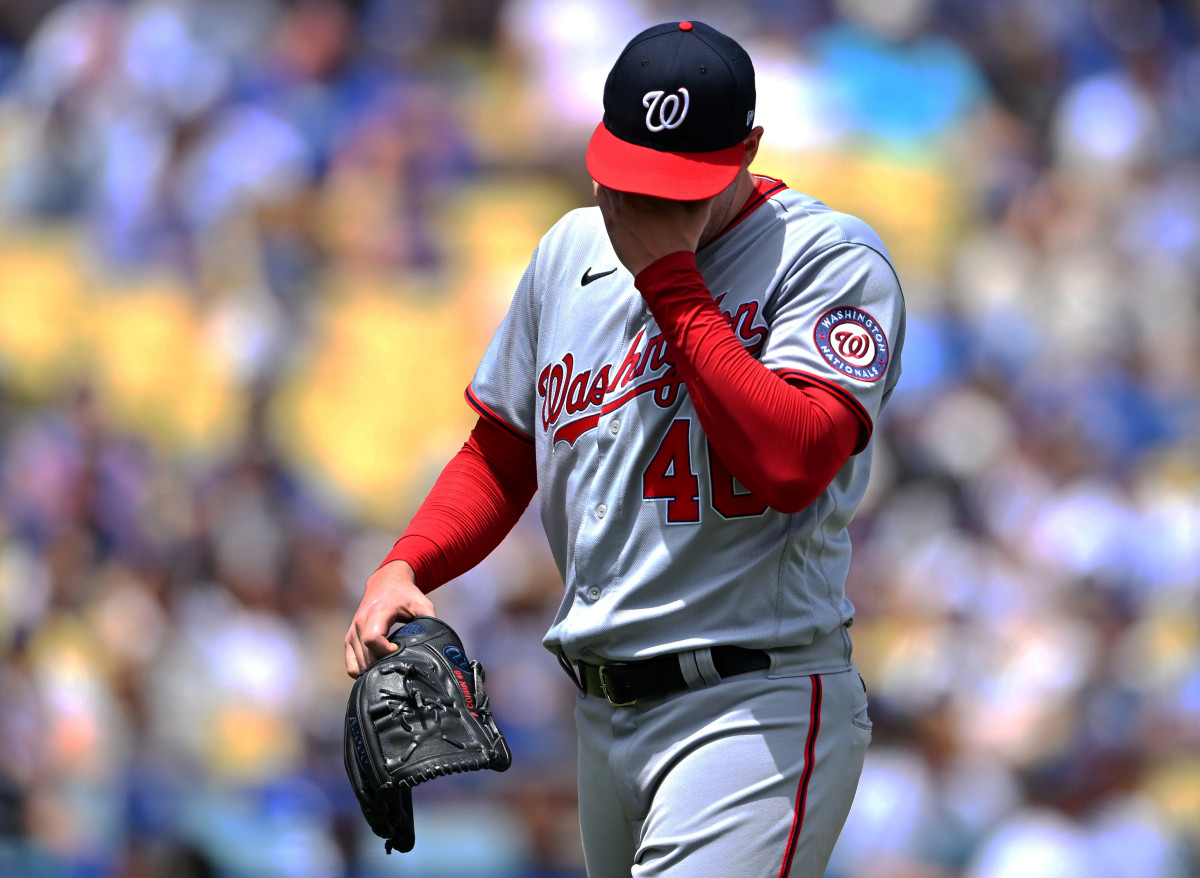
[397, 568]
[415, 560]
[661, 274]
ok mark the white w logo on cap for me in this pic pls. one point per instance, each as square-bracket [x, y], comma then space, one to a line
[670, 110]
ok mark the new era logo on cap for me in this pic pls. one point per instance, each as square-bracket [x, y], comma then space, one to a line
[678, 103]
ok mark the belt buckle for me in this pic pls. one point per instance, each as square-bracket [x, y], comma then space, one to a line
[602, 673]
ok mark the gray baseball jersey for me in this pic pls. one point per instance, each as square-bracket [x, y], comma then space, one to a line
[660, 548]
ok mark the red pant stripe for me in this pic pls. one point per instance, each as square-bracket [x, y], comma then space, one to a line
[810, 752]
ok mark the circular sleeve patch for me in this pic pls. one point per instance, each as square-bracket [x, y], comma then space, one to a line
[852, 341]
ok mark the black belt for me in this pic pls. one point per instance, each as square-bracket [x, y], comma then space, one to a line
[625, 683]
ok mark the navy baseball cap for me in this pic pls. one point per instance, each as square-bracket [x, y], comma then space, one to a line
[677, 105]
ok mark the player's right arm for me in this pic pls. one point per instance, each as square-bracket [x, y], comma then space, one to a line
[475, 502]
[478, 497]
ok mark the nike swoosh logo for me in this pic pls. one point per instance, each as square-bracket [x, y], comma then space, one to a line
[588, 277]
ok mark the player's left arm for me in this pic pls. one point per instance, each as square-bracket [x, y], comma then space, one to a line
[784, 435]
[783, 442]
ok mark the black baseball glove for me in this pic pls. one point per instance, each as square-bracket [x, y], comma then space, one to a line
[414, 715]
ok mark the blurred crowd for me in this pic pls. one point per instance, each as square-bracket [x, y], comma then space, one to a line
[250, 252]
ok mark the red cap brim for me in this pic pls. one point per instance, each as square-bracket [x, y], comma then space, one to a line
[680, 176]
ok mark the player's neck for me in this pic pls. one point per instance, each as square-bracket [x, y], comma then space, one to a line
[729, 205]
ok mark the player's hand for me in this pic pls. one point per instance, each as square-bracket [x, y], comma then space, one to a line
[391, 596]
[643, 229]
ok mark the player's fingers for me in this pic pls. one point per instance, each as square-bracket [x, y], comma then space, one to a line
[604, 201]
[374, 638]
[611, 201]
[352, 665]
[356, 660]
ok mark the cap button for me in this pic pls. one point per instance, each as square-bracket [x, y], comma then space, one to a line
[685, 25]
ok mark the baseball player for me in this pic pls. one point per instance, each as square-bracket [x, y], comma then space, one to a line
[689, 373]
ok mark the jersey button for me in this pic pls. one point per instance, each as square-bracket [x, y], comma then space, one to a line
[594, 593]
[601, 511]
[615, 427]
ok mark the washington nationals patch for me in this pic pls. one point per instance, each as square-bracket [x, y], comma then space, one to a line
[852, 342]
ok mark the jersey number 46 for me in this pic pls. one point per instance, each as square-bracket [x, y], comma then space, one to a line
[669, 476]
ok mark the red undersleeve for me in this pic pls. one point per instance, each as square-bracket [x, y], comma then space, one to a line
[472, 506]
[785, 443]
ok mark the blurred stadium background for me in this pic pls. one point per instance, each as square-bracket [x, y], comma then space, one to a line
[250, 252]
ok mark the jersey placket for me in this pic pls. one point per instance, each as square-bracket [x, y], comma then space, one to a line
[597, 550]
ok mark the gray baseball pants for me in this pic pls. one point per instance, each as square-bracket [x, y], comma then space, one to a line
[751, 776]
